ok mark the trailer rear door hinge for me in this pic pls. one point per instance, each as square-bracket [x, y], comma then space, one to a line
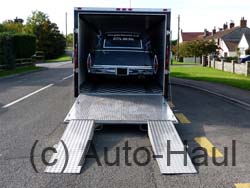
[76, 30]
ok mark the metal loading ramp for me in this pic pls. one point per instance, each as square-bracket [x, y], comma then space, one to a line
[164, 138]
[72, 148]
[121, 109]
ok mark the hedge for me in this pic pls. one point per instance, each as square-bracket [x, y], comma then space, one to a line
[7, 52]
[14, 46]
[25, 45]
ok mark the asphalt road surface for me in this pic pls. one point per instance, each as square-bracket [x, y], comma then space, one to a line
[33, 106]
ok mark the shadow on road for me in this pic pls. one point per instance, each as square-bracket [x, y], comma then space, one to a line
[113, 137]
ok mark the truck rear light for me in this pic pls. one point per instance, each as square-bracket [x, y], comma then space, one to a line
[76, 58]
[124, 9]
[167, 59]
[89, 62]
[156, 64]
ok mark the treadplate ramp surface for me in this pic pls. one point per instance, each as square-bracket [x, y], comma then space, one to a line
[165, 138]
[121, 108]
[72, 147]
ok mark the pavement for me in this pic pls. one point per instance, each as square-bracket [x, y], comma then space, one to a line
[39, 117]
[233, 94]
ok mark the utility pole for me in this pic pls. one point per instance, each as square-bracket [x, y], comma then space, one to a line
[178, 39]
[130, 3]
[66, 29]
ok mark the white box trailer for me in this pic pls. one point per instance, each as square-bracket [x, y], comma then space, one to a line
[154, 22]
[126, 101]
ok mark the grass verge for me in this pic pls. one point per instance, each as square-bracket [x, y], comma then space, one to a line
[211, 75]
[59, 59]
[18, 71]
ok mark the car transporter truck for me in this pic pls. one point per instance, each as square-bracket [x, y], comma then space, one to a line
[121, 76]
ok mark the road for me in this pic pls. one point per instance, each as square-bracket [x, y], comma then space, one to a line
[46, 97]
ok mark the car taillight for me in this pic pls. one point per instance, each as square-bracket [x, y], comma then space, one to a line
[156, 64]
[89, 62]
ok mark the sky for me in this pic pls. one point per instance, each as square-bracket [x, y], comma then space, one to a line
[195, 15]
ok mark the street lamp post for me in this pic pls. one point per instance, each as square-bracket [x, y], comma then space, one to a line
[178, 39]
[66, 29]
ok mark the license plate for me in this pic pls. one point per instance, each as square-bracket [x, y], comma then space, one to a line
[121, 72]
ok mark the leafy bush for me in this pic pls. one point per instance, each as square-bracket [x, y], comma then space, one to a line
[229, 59]
[25, 45]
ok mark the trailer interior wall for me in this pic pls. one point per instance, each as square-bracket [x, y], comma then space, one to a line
[153, 26]
[86, 44]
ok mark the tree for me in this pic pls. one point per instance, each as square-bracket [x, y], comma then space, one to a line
[247, 51]
[37, 19]
[2, 28]
[49, 38]
[208, 47]
[70, 39]
[13, 26]
[197, 48]
[238, 52]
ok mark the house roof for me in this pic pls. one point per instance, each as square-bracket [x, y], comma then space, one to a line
[190, 36]
[248, 38]
[221, 34]
[233, 34]
[232, 45]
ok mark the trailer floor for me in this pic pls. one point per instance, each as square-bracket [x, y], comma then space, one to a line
[122, 85]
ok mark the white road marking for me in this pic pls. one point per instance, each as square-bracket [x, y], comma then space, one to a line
[25, 97]
[68, 77]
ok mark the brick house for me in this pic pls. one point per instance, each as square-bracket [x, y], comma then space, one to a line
[190, 36]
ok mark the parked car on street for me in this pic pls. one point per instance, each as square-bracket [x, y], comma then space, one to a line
[245, 59]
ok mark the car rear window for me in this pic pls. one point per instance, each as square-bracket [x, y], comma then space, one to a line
[131, 41]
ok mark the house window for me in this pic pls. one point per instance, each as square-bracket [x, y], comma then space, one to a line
[225, 54]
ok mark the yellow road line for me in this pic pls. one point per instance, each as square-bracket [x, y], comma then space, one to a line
[182, 118]
[171, 104]
[242, 185]
[205, 143]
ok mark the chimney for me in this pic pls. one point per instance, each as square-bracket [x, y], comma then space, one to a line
[206, 32]
[232, 25]
[214, 31]
[243, 22]
[225, 26]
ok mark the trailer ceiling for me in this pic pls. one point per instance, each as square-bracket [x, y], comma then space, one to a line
[122, 22]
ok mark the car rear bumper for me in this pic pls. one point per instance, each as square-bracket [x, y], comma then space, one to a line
[121, 70]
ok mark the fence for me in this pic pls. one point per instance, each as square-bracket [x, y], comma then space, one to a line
[24, 62]
[191, 60]
[233, 66]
